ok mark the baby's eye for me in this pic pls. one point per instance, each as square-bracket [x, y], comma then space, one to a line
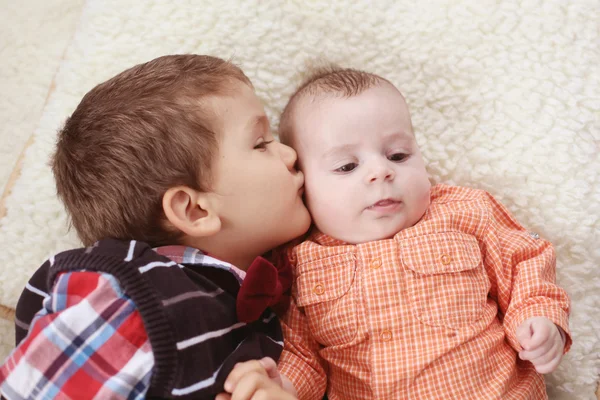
[262, 145]
[398, 157]
[347, 167]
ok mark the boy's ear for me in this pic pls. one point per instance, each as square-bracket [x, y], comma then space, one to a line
[191, 211]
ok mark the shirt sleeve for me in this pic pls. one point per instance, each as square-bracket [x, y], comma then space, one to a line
[88, 341]
[522, 271]
[300, 361]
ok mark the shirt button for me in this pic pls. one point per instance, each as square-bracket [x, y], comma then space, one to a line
[376, 263]
[446, 259]
[319, 289]
[386, 336]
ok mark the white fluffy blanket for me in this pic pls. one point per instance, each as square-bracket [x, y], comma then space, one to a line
[505, 96]
[34, 36]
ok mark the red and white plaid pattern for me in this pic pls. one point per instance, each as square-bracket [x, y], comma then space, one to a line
[89, 342]
[428, 314]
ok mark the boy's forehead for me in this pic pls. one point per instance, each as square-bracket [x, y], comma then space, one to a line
[236, 94]
[240, 105]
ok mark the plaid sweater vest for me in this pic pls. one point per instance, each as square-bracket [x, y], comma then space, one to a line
[189, 313]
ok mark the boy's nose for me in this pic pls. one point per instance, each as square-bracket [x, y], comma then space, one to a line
[288, 156]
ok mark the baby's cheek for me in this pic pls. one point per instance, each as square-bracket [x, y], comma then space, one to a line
[423, 188]
[325, 215]
[329, 201]
[317, 192]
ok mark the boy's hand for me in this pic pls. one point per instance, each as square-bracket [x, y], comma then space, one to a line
[255, 380]
[542, 343]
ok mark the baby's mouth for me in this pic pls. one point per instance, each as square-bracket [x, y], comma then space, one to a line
[385, 206]
[384, 203]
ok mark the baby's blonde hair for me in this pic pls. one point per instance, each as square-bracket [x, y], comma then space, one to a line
[326, 80]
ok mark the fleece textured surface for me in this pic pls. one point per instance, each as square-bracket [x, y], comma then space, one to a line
[505, 96]
[34, 36]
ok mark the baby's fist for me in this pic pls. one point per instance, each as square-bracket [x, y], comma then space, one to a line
[542, 343]
[255, 380]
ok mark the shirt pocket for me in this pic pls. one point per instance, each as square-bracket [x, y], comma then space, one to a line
[446, 282]
[324, 290]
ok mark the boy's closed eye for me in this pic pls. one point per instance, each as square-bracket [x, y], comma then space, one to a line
[262, 145]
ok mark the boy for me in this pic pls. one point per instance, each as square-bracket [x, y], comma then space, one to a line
[403, 290]
[173, 181]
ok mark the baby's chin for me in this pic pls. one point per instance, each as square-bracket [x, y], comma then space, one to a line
[359, 235]
[374, 238]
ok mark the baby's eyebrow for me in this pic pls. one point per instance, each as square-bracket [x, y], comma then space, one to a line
[339, 150]
[399, 136]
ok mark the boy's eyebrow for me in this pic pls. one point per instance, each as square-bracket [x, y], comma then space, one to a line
[259, 120]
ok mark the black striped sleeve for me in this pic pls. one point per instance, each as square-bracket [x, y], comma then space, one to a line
[31, 301]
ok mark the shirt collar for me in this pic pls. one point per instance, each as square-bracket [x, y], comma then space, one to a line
[325, 240]
[190, 255]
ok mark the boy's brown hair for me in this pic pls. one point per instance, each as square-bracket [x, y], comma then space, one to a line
[329, 80]
[135, 136]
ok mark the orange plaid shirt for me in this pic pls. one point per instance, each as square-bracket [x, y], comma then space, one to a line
[428, 314]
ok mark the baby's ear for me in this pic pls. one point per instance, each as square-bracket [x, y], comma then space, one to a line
[191, 211]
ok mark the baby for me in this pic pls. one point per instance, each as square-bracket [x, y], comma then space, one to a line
[403, 290]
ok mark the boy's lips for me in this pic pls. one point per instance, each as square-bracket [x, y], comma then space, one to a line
[300, 177]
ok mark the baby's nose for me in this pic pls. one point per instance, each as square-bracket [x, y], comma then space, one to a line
[380, 173]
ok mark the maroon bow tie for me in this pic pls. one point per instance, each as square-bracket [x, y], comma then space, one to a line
[265, 285]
